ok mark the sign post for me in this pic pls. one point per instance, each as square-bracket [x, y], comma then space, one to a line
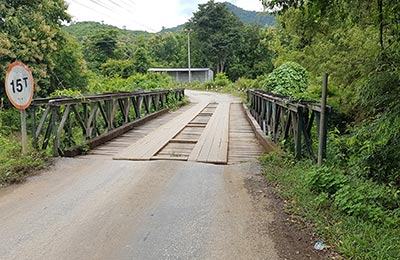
[19, 88]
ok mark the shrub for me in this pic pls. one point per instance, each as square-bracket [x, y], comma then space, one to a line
[288, 79]
[135, 82]
[221, 80]
[242, 84]
[326, 179]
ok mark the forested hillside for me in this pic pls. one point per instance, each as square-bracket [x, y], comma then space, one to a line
[249, 17]
[82, 29]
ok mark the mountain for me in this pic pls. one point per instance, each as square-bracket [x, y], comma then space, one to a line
[82, 30]
[247, 17]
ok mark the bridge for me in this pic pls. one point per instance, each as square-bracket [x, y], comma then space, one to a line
[213, 128]
[155, 184]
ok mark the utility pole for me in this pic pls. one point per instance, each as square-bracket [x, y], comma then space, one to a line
[190, 74]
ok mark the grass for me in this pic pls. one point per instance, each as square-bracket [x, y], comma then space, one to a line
[354, 237]
[14, 167]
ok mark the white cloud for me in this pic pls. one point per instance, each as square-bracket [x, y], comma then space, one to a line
[149, 15]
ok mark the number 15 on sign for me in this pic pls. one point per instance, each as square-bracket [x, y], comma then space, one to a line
[19, 88]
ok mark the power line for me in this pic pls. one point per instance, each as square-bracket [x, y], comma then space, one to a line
[112, 10]
[89, 8]
[127, 12]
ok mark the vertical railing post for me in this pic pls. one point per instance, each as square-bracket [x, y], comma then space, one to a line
[322, 128]
[299, 129]
[53, 123]
[33, 128]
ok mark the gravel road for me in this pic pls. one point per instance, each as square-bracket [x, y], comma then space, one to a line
[104, 209]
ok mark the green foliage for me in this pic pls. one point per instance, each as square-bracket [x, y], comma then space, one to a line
[118, 68]
[14, 167]
[242, 84]
[369, 201]
[68, 93]
[81, 30]
[221, 80]
[373, 149]
[358, 218]
[288, 79]
[252, 55]
[141, 62]
[135, 82]
[252, 17]
[99, 48]
[169, 49]
[215, 34]
[326, 180]
[70, 68]
[10, 121]
[30, 33]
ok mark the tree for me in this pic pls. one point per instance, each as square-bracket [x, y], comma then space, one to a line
[30, 33]
[215, 34]
[168, 49]
[70, 68]
[252, 55]
[100, 47]
[141, 61]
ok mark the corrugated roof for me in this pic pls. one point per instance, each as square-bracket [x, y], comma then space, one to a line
[178, 69]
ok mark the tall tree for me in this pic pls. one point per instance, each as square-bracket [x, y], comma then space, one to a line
[141, 62]
[100, 47]
[168, 49]
[70, 68]
[30, 32]
[215, 32]
[252, 55]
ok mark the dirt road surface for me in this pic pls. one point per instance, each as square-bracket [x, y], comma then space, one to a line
[88, 208]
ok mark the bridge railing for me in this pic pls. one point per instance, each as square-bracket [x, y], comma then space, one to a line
[296, 124]
[64, 123]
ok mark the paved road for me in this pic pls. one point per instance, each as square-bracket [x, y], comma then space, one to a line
[103, 209]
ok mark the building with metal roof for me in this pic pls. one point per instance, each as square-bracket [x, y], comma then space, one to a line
[182, 74]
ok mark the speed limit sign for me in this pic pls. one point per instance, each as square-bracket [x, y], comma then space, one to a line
[19, 85]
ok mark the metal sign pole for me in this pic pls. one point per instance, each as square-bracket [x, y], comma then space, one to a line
[24, 135]
[19, 89]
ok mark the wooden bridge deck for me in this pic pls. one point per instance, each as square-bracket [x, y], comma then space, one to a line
[207, 132]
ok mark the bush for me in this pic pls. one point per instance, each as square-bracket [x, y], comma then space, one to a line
[374, 149]
[118, 68]
[358, 218]
[326, 179]
[135, 82]
[242, 84]
[288, 79]
[14, 167]
[221, 80]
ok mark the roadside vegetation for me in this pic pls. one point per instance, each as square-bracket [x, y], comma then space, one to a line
[352, 201]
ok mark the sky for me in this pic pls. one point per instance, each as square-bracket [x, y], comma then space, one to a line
[145, 15]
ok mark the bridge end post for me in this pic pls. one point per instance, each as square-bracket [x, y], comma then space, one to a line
[322, 129]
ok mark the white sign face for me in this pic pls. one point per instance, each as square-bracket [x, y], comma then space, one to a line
[19, 85]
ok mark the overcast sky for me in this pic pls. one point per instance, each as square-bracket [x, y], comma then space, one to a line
[147, 15]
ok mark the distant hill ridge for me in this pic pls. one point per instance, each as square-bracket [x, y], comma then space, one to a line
[81, 30]
[248, 17]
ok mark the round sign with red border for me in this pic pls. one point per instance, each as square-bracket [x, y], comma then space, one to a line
[19, 85]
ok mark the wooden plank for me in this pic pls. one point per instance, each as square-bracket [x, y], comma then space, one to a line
[212, 146]
[148, 146]
[183, 141]
[181, 158]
